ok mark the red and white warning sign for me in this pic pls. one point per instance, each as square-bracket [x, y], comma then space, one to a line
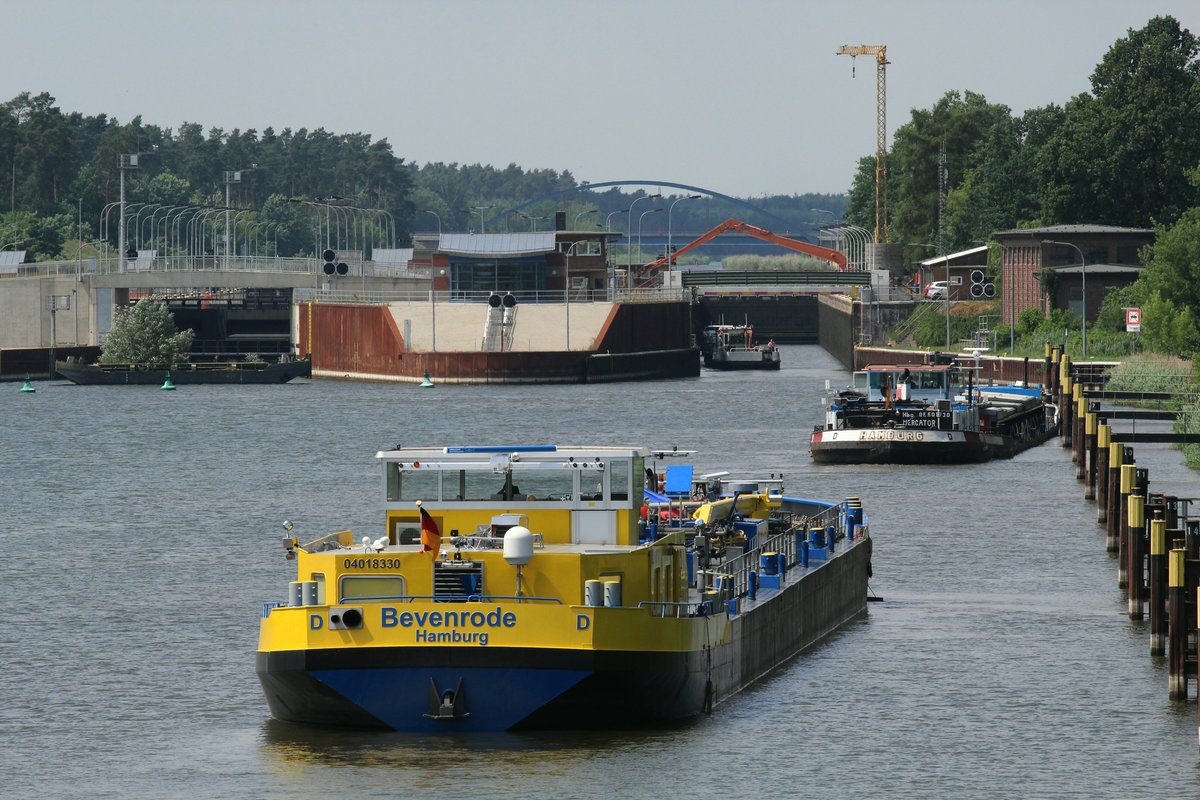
[1133, 320]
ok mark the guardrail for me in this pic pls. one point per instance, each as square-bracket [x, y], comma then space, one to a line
[732, 577]
[174, 264]
[349, 296]
[775, 278]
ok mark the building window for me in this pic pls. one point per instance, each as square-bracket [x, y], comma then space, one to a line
[1061, 254]
[478, 279]
[1128, 254]
[583, 247]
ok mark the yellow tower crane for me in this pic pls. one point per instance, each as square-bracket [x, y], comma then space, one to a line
[881, 62]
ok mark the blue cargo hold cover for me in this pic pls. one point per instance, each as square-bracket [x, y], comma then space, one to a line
[655, 497]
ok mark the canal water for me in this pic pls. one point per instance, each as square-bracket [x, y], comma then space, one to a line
[140, 535]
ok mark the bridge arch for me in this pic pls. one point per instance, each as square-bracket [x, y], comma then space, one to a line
[608, 184]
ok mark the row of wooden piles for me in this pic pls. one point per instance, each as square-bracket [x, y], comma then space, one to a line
[1154, 539]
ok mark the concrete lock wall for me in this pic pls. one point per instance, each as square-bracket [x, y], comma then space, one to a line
[25, 312]
[837, 320]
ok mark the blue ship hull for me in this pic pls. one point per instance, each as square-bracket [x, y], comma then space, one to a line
[497, 690]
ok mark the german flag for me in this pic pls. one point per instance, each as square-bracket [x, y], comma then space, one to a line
[431, 537]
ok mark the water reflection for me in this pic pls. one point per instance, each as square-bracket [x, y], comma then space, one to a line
[294, 744]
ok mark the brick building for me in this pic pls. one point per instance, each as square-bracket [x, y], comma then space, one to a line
[1095, 257]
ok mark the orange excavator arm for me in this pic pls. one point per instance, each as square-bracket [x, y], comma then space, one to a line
[736, 225]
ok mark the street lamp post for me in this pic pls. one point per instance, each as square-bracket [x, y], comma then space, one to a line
[567, 283]
[231, 177]
[575, 226]
[833, 217]
[480, 210]
[640, 218]
[863, 238]
[608, 218]
[670, 211]
[433, 285]
[1083, 285]
[629, 227]
[125, 162]
[439, 221]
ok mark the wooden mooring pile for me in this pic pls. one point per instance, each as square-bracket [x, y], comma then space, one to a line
[1155, 538]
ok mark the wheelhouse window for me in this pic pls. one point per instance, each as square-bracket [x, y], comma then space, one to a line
[474, 485]
[544, 484]
[619, 475]
[591, 484]
[412, 484]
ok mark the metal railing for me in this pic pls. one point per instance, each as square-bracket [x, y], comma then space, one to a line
[172, 264]
[775, 278]
[734, 573]
[539, 296]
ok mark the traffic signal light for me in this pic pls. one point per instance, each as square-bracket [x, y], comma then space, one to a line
[341, 267]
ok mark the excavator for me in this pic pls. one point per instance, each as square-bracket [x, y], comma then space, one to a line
[651, 270]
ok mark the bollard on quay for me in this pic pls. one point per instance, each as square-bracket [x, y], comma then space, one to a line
[1177, 631]
[1100, 473]
[1128, 478]
[1090, 425]
[1134, 564]
[1067, 407]
[1078, 445]
[1116, 456]
[1158, 581]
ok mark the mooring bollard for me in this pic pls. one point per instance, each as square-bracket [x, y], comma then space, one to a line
[1171, 511]
[1116, 455]
[1134, 567]
[1100, 473]
[1128, 477]
[1067, 406]
[1158, 580]
[1090, 424]
[1078, 452]
[1177, 631]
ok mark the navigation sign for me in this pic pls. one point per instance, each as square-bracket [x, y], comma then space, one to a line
[1133, 320]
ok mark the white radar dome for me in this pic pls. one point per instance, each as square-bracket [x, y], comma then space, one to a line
[518, 545]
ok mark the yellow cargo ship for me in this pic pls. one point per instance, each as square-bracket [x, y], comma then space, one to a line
[548, 586]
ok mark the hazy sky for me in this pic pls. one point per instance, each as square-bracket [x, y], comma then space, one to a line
[745, 97]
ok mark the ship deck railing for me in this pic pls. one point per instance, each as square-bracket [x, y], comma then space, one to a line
[268, 606]
[731, 577]
[678, 610]
[470, 598]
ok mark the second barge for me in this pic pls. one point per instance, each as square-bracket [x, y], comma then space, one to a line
[924, 414]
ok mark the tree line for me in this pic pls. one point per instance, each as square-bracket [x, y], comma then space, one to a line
[1126, 153]
[61, 175]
